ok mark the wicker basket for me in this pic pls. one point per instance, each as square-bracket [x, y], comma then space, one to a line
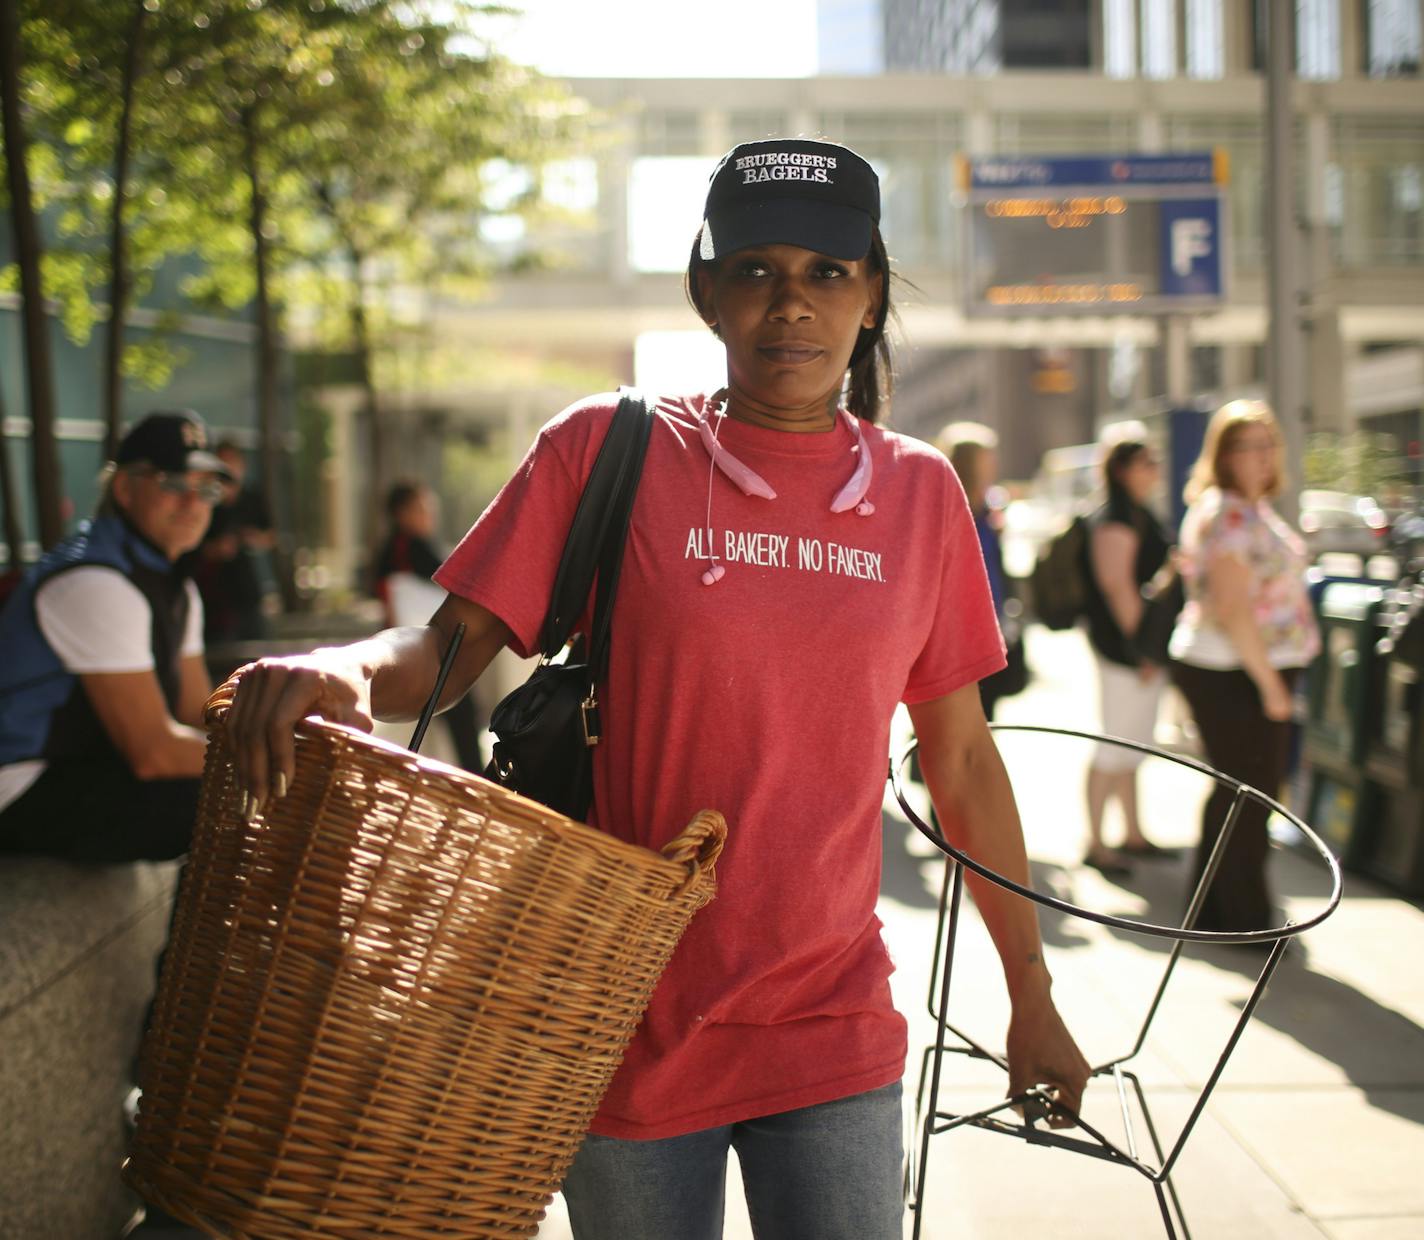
[390, 1006]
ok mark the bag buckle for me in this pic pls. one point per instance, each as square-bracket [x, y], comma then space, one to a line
[588, 712]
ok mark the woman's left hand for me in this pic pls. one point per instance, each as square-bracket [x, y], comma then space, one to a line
[1042, 1052]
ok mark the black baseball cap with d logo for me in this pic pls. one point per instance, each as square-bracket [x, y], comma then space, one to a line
[791, 191]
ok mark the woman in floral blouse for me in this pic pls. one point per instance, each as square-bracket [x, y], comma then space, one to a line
[1244, 636]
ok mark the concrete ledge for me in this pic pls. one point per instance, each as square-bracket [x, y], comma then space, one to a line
[78, 947]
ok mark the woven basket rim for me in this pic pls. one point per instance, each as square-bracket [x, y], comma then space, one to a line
[313, 727]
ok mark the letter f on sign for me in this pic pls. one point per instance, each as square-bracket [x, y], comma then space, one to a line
[1191, 239]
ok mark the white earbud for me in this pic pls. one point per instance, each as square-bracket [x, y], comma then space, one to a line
[749, 482]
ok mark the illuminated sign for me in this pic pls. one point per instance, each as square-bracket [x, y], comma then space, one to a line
[1139, 234]
[1055, 212]
[1087, 294]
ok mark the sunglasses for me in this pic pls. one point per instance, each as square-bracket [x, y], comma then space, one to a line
[209, 491]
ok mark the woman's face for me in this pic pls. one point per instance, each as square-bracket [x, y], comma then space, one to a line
[1138, 475]
[1249, 460]
[789, 319]
[983, 474]
[418, 515]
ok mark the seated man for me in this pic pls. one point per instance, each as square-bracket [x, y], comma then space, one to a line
[102, 680]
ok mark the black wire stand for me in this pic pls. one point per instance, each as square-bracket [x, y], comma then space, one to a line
[1037, 1104]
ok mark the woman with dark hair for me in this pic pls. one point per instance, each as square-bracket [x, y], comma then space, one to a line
[1244, 636]
[402, 581]
[409, 548]
[793, 572]
[1126, 548]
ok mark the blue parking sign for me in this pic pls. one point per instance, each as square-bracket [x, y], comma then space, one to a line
[1191, 247]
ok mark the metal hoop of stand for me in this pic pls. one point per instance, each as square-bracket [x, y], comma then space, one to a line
[1036, 1103]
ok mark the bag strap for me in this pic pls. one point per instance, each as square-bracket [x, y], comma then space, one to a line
[610, 565]
[599, 531]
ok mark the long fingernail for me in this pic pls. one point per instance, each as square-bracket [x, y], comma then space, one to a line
[281, 784]
[253, 805]
[245, 806]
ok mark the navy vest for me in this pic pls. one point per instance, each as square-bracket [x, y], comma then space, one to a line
[44, 711]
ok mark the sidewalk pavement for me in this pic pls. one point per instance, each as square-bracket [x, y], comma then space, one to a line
[1316, 1128]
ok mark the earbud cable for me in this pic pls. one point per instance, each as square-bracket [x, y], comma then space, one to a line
[717, 571]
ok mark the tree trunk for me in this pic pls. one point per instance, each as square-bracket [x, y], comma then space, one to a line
[375, 429]
[269, 450]
[376, 473]
[39, 374]
[9, 510]
[120, 281]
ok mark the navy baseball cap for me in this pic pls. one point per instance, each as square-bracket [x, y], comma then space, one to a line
[175, 442]
[791, 191]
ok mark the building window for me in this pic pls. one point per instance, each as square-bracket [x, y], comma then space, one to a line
[1317, 38]
[1378, 192]
[1206, 48]
[1120, 38]
[1142, 36]
[1159, 39]
[1393, 39]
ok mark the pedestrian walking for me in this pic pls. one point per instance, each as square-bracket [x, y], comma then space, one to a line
[1242, 640]
[793, 573]
[1126, 548]
[973, 450]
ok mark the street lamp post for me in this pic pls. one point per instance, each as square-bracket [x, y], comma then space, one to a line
[1284, 349]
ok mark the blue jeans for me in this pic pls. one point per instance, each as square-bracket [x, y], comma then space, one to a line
[827, 1172]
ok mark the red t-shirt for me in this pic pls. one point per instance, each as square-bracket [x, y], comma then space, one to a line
[767, 696]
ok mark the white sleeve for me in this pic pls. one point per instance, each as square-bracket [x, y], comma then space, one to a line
[96, 620]
[193, 629]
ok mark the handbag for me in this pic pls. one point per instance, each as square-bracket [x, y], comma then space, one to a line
[1163, 599]
[546, 729]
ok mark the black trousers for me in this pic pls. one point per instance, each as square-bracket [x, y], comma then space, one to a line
[100, 813]
[1241, 742]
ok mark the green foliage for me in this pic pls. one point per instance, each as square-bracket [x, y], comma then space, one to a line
[153, 360]
[367, 129]
[371, 120]
[1358, 462]
[67, 275]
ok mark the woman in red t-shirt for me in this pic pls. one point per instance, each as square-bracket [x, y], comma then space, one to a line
[793, 572]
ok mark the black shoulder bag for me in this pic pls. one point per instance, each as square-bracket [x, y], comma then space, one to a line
[1162, 601]
[545, 730]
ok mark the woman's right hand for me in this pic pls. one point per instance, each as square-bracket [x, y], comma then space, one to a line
[1276, 702]
[272, 697]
